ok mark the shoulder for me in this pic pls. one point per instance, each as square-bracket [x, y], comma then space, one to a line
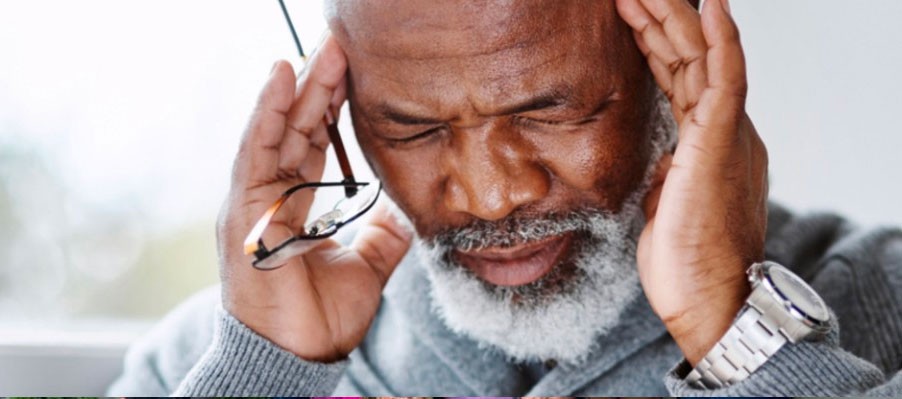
[807, 243]
[157, 362]
[858, 272]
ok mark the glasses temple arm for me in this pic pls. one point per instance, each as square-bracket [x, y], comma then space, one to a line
[340, 154]
[294, 33]
[329, 119]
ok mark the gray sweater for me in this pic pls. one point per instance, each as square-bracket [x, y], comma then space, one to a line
[200, 350]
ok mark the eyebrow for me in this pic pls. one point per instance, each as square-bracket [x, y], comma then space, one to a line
[551, 98]
[386, 111]
[554, 97]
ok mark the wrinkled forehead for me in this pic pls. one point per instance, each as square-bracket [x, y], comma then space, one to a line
[429, 29]
[447, 52]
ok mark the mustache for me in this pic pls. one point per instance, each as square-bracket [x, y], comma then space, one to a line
[512, 230]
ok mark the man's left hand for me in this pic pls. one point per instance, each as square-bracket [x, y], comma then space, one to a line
[707, 210]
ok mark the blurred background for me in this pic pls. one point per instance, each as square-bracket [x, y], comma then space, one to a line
[119, 121]
[118, 124]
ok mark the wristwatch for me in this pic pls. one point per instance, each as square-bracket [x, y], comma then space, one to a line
[781, 308]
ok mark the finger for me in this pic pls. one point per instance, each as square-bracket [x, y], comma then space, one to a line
[665, 79]
[726, 63]
[638, 18]
[258, 152]
[338, 97]
[659, 69]
[383, 241]
[717, 132]
[682, 25]
[299, 154]
[311, 169]
[319, 82]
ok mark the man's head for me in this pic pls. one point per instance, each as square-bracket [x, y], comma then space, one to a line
[518, 138]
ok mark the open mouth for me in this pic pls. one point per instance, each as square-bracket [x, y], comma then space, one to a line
[517, 265]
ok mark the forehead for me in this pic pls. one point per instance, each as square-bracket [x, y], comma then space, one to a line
[478, 49]
[461, 28]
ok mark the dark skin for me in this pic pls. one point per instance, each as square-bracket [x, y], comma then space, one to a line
[482, 111]
[494, 127]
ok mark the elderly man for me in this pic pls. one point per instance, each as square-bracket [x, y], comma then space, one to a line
[581, 209]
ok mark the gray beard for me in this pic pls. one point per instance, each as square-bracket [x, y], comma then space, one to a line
[561, 315]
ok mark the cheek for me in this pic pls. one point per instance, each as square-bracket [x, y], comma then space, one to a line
[604, 165]
[411, 178]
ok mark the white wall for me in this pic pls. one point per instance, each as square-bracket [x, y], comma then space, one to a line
[826, 95]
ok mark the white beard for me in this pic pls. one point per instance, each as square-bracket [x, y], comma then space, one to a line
[559, 319]
[537, 325]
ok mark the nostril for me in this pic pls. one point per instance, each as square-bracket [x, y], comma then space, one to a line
[529, 183]
[494, 203]
[494, 194]
[490, 174]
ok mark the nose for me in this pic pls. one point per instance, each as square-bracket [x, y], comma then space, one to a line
[490, 172]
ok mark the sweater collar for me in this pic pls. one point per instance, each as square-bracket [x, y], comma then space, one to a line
[487, 372]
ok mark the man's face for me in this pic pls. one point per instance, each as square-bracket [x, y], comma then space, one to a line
[490, 122]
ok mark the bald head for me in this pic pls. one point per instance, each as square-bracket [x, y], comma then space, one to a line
[423, 28]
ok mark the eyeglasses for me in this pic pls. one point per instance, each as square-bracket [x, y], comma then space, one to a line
[358, 198]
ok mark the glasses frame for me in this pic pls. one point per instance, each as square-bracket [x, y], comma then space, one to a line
[253, 244]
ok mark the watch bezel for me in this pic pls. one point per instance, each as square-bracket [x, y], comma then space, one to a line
[760, 273]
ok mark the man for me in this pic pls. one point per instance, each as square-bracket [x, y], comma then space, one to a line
[564, 243]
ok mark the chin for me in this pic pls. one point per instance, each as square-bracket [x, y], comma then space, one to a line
[556, 316]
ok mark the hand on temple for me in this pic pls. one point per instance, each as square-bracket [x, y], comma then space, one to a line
[707, 210]
[320, 304]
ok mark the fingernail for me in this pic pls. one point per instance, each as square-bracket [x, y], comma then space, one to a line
[726, 6]
[274, 65]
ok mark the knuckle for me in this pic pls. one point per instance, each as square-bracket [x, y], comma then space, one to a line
[668, 92]
[674, 65]
[688, 106]
[303, 130]
[695, 57]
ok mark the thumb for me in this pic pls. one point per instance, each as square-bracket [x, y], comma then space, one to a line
[383, 241]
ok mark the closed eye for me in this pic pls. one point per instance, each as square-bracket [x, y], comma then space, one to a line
[529, 121]
[417, 136]
[593, 116]
[574, 122]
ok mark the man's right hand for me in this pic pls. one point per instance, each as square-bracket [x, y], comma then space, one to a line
[320, 304]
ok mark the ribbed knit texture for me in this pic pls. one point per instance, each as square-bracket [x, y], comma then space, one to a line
[410, 352]
[242, 363]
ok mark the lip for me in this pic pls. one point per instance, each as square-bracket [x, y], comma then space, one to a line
[518, 265]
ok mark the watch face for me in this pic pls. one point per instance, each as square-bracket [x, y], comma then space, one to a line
[799, 293]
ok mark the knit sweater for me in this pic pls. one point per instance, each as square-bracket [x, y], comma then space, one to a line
[201, 350]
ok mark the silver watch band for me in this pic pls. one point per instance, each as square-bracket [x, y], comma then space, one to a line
[752, 339]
